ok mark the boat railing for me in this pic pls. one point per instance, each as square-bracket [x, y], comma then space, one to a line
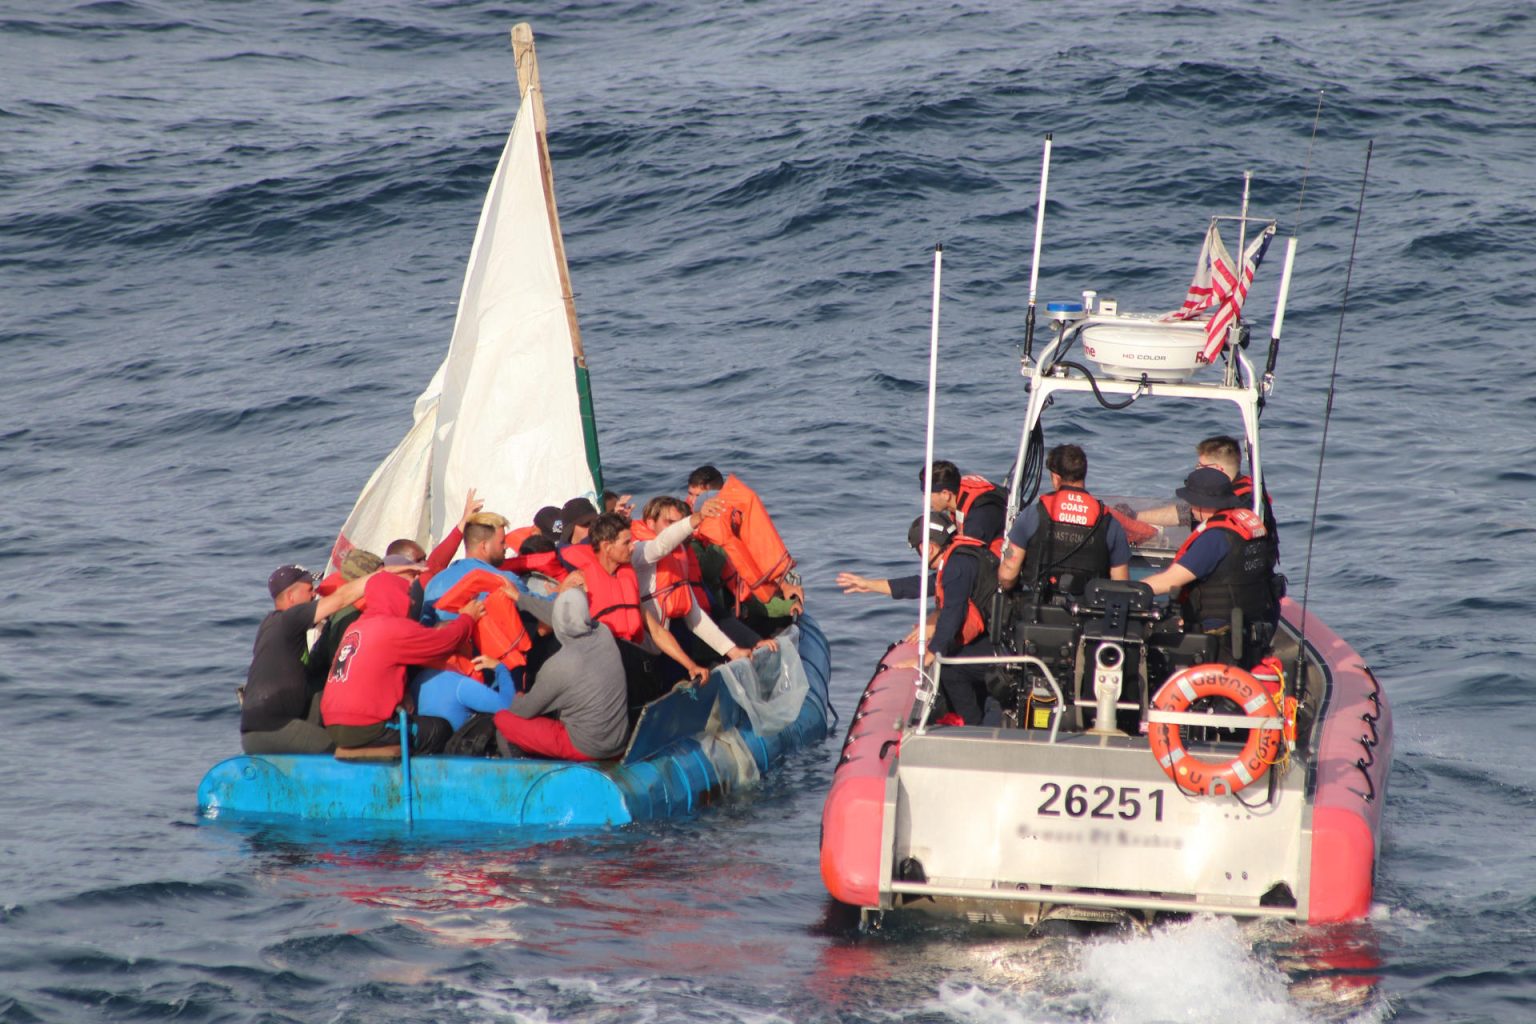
[1211, 720]
[1047, 377]
[939, 661]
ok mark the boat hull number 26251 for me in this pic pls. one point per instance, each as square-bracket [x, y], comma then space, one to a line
[1103, 802]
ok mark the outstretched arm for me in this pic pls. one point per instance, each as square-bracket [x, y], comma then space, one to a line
[853, 583]
[336, 600]
[705, 629]
[1163, 515]
[446, 548]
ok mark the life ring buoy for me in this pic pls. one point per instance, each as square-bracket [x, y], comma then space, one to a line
[1198, 775]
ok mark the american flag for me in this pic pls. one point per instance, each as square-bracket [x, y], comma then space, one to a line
[1216, 284]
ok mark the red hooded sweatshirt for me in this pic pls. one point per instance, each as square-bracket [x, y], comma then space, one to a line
[367, 680]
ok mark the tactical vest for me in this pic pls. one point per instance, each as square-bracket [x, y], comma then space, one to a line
[1073, 537]
[1242, 579]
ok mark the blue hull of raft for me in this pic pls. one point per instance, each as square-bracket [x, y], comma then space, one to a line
[674, 765]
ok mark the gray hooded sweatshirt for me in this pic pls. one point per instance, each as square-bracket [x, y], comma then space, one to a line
[583, 683]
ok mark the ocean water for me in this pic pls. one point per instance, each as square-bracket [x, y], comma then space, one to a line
[233, 236]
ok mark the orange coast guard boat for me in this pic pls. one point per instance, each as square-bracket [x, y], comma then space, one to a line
[1129, 769]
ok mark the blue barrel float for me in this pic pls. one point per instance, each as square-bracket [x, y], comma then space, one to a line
[688, 748]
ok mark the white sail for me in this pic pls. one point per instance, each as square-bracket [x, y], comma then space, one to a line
[509, 423]
[502, 414]
[393, 503]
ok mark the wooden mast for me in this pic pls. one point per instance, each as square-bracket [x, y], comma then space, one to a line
[528, 86]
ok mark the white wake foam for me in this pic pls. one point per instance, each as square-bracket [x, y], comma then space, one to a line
[1201, 972]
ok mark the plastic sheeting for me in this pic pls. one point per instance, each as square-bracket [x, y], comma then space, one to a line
[771, 687]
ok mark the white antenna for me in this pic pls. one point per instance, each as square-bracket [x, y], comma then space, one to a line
[928, 690]
[1034, 267]
[1280, 301]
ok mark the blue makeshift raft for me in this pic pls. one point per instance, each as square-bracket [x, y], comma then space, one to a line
[688, 747]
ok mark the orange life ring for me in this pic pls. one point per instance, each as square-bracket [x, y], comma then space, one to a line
[1197, 775]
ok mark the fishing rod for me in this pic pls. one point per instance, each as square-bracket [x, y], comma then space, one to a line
[1034, 269]
[1290, 261]
[1322, 451]
[928, 690]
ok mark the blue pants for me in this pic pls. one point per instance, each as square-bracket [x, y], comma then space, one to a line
[451, 696]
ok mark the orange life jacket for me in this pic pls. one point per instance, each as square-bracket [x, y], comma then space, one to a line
[1242, 486]
[545, 563]
[672, 591]
[750, 541]
[1240, 521]
[500, 633]
[458, 661]
[979, 488]
[986, 583]
[973, 487]
[470, 586]
[612, 599]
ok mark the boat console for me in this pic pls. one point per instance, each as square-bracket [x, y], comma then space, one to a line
[1115, 637]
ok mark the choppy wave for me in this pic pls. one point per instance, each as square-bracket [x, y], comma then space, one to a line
[234, 241]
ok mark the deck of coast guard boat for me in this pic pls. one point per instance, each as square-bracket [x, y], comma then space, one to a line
[1133, 771]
